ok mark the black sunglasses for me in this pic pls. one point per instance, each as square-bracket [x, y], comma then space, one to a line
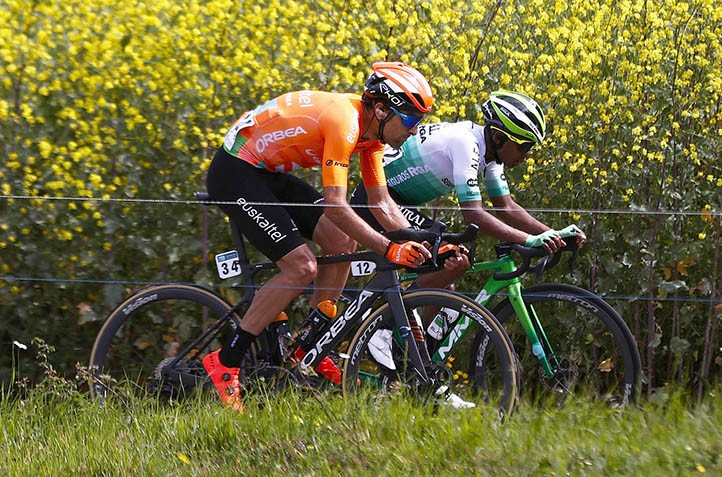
[524, 145]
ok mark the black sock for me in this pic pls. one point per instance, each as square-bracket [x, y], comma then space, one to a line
[231, 355]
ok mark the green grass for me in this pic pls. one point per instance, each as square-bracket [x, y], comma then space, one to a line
[55, 428]
[51, 433]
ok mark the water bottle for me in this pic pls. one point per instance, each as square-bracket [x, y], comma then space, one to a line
[315, 322]
[442, 322]
[306, 337]
[281, 332]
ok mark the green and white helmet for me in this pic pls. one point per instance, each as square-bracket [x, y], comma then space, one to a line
[515, 114]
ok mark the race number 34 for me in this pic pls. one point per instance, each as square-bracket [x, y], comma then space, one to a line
[228, 264]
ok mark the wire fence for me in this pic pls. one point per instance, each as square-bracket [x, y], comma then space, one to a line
[630, 211]
[227, 284]
[140, 283]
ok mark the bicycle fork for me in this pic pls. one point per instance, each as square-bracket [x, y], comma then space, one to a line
[412, 334]
[532, 328]
[528, 319]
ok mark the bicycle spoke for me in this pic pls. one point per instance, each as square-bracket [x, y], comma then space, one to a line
[379, 363]
[147, 344]
[589, 348]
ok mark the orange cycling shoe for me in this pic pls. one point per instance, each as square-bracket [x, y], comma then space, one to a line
[225, 379]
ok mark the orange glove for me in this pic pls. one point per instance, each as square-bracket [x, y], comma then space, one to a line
[451, 248]
[448, 251]
[403, 253]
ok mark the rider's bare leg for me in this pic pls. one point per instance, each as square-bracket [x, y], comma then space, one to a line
[331, 278]
[297, 271]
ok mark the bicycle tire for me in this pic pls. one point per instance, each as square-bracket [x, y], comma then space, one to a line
[364, 371]
[151, 326]
[597, 354]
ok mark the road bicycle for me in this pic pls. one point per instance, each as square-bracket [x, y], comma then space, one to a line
[154, 341]
[568, 340]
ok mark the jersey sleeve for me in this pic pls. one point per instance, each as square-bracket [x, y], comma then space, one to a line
[339, 125]
[495, 180]
[464, 151]
[372, 166]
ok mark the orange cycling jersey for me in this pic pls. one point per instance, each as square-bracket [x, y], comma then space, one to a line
[305, 129]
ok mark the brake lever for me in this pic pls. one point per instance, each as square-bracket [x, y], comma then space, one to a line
[435, 251]
[572, 260]
[472, 253]
[539, 268]
[437, 228]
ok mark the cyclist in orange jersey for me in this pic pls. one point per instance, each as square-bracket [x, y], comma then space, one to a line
[276, 211]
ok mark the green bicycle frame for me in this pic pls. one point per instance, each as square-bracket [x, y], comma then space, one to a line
[530, 323]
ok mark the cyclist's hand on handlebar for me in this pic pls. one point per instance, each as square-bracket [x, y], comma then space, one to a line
[454, 257]
[570, 231]
[448, 248]
[573, 231]
[549, 239]
[408, 254]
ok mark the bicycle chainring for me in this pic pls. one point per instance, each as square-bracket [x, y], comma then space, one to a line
[175, 381]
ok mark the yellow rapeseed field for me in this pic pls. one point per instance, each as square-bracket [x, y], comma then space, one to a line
[103, 101]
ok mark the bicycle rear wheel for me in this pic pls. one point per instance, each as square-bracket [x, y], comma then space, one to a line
[154, 341]
[377, 360]
[589, 346]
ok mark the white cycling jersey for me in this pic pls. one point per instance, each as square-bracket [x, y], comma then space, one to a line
[440, 158]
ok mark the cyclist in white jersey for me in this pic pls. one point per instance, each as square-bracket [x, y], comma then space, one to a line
[447, 157]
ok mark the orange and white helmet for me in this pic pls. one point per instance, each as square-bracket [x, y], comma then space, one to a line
[400, 85]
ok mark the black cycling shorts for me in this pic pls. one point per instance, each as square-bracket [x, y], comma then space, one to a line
[359, 202]
[264, 209]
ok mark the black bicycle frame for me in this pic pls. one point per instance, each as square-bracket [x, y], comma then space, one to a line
[385, 282]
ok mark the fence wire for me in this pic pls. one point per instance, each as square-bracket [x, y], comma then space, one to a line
[137, 283]
[631, 211]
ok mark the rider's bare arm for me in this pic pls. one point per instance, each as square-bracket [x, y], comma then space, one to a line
[474, 213]
[341, 214]
[516, 216]
[384, 209]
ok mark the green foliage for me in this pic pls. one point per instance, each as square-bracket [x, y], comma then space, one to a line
[117, 107]
[57, 430]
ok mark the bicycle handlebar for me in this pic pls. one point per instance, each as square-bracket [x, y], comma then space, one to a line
[435, 235]
[528, 253]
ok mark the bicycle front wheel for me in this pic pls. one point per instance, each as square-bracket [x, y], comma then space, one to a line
[588, 345]
[154, 341]
[378, 360]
